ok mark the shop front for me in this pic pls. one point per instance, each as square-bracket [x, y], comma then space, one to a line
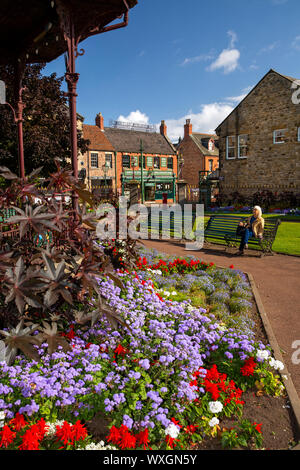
[154, 186]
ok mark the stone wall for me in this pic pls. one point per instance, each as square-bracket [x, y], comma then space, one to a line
[269, 166]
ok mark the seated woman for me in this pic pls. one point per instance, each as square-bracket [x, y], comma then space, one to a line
[254, 227]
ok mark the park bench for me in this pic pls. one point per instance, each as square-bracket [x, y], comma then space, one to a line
[222, 228]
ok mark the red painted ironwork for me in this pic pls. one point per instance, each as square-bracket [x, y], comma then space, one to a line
[73, 38]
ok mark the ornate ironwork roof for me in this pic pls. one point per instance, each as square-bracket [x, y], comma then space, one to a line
[30, 31]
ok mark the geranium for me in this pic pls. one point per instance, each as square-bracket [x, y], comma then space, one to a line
[213, 422]
[258, 427]
[215, 406]
[248, 367]
[7, 436]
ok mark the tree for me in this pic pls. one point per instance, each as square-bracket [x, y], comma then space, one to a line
[46, 125]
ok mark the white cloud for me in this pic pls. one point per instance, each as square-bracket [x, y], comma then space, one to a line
[269, 48]
[210, 116]
[136, 117]
[198, 58]
[239, 98]
[228, 59]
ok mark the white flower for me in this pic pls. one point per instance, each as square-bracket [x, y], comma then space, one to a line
[167, 293]
[213, 422]
[172, 430]
[158, 271]
[174, 292]
[262, 354]
[277, 365]
[99, 446]
[215, 406]
[2, 415]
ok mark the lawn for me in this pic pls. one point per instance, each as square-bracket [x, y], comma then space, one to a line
[287, 240]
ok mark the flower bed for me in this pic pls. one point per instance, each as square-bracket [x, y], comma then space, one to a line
[181, 367]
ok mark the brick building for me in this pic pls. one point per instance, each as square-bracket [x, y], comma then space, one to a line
[200, 153]
[259, 142]
[121, 150]
[97, 166]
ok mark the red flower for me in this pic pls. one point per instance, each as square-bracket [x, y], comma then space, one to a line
[248, 367]
[231, 266]
[39, 429]
[114, 435]
[7, 436]
[127, 440]
[176, 422]
[64, 433]
[79, 431]
[18, 422]
[191, 429]
[258, 427]
[171, 441]
[142, 439]
[30, 440]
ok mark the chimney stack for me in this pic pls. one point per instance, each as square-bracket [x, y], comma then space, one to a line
[188, 128]
[100, 121]
[163, 128]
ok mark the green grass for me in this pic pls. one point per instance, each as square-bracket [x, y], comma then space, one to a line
[287, 239]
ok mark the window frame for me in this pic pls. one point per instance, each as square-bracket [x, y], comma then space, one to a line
[232, 147]
[170, 159]
[298, 134]
[94, 154]
[239, 146]
[126, 166]
[110, 162]
[156, 159]
[274, 133]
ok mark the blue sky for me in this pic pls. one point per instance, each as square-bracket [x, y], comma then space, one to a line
[185, 59]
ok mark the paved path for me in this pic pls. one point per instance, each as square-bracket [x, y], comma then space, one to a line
[278, 281]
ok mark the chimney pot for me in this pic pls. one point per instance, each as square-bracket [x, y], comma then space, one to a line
[188, 128]
[163, 128]
[100, 121]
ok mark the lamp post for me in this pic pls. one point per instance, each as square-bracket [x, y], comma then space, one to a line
[142, 172]
[105, 170]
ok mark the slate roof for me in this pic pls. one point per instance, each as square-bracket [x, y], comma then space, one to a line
[97, 138]
[129, 141]
[201, 140]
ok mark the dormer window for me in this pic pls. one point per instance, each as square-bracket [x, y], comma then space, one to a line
[211, 146]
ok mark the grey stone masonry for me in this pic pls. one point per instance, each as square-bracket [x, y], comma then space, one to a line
[266, 165]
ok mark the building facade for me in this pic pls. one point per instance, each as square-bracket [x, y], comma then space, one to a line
[97, 167]
[125, 152]
[200, 154]
[259, 142]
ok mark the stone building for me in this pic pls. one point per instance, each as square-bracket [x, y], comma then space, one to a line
[200, 153]
[259, 142]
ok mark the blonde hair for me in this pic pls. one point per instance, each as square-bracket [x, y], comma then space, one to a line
[259, 211]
